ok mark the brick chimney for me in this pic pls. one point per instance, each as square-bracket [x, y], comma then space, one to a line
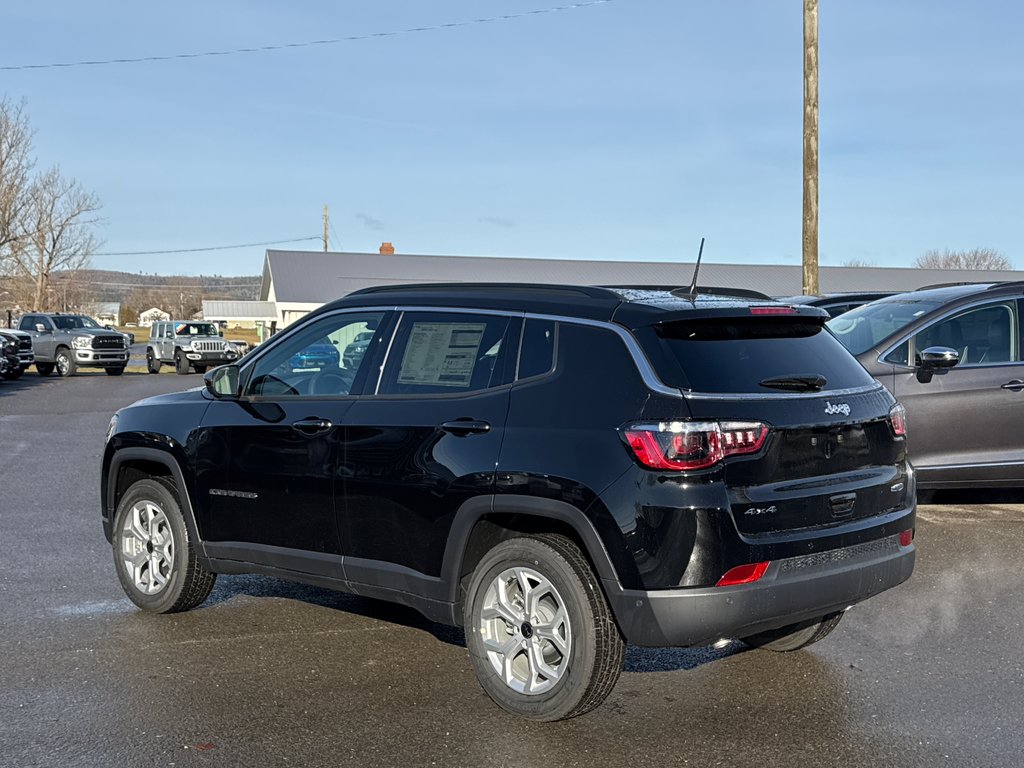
[387, 249]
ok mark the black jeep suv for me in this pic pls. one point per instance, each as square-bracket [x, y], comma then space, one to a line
[559, 469]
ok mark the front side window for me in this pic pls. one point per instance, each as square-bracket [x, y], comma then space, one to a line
[981, 336]
[318, 360]
[439, 353]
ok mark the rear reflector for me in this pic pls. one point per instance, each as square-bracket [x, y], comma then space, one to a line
[689, 445]
[772, 311]
[907, 537]
[743, 574]
[898, 420]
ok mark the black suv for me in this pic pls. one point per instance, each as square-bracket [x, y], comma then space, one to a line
[558, 469]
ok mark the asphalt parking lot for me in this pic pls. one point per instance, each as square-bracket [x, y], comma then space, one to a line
[273, 674]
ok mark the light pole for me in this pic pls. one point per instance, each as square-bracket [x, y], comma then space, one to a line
[810, 218]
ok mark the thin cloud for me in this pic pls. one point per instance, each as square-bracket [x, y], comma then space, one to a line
[370, 222]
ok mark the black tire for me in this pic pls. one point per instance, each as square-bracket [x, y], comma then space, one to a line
[115, 371]
[595, 654]
[200, 369]
[44, 369]
[795, 636]
[65, 362]
[152, 364]
[186, 583]
[180, 363]
[14, 375]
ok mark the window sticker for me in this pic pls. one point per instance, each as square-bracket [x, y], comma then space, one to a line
[441, 354]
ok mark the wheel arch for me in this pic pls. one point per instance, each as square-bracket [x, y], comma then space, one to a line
[131, 464]
[485, 521]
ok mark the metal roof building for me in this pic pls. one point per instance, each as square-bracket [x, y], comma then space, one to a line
[298, 282]
[239, 311]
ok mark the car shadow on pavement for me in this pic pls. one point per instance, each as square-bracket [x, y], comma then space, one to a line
[637, 659]
[253, 585]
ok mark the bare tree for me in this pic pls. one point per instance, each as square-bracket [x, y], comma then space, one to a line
[15, 171]
[858, 263]
[61, 218]
[975, 258]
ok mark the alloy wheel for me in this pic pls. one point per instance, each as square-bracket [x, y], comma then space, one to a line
[525, 630]
[147, 547]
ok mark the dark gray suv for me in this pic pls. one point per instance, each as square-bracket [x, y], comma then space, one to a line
[952, 356]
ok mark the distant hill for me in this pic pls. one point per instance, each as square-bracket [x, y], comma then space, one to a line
[181, 295]
[108, 285]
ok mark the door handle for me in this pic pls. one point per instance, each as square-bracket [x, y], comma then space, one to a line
[1016, 385]
[465, 427]
[312, 426]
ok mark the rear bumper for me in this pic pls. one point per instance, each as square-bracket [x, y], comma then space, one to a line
[792, 590]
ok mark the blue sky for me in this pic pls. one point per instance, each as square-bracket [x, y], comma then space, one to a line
[623, 130]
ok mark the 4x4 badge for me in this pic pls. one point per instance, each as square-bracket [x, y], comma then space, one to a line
[832, 409]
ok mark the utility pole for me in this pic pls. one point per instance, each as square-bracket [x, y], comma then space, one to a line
[810, 220]
[326, 222]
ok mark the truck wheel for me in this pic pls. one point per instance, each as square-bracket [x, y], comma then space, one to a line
[13, 375]
[115, 371]
[180, 363]
[44, 369]
[795, 636]
[541, 638]
[152, 364]
[156, 561]
[65, 362]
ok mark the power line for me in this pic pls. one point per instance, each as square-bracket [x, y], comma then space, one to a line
[307, 43]
[209, 248]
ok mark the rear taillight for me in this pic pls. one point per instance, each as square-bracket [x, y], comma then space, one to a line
[898, 420]
[907, 537]
[687, 445]
[743, 574]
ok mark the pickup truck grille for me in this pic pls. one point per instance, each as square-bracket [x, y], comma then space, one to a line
[108, 342]
[208, 346]
[24, 344]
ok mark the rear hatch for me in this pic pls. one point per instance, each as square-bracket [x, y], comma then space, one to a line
[831, 453]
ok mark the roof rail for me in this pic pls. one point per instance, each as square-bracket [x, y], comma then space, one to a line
[593, 292]
[950, 285]
[706, 290]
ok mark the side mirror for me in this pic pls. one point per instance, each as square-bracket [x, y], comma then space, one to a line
[222, 382]
[937, 358]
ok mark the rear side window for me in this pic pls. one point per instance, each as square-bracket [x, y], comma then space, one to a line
[447, 354]
[736, 354]
[537, 353]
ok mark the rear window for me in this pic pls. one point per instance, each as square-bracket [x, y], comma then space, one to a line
[734, 355]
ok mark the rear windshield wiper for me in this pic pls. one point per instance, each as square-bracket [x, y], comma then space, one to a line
[797, 382]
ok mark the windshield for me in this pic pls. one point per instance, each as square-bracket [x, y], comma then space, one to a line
[195, 329]
[70, 322]
[869, 325]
